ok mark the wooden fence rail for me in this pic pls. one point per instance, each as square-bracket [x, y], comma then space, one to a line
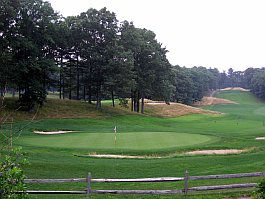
[163, 179]
[160, 192]
[185, 190]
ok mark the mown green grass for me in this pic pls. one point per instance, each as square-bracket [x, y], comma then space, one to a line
[125, 141]
[54, 156]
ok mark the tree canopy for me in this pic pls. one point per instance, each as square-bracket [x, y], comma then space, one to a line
[94, 56]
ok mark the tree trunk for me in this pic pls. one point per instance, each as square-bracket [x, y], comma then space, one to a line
[89, 94]
[19, 93]
[28, 100]
[135, 102]
[98, 105]
[3, 93]
[60, 84]
[78, 79]
[44, 81]
[142, 108]
[63, 87]
[84, 86]
[84, 92]
[112, 97]
[1, 98]
[90, 87]
[70, 83]
[132, 100]
[138, 102]
[60, 81]
[31, 106]
[13, 92]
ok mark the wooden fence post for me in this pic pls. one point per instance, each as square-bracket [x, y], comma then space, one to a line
[88, 184]
[186, 178]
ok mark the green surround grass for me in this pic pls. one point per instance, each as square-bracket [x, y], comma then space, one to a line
[126, 141]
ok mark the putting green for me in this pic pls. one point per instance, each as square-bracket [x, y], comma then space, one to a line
[131, 141]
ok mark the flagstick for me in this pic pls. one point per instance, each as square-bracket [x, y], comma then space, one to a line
[115, 135]
[115, 139]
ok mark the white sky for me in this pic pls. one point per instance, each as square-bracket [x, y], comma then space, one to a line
[209, 33]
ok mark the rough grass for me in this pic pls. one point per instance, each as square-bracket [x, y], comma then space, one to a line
[173, 110]
[212, 100]
[56, 108]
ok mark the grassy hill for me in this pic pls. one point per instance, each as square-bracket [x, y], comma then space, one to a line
[241, 97]
[248, 106]
[56, 108]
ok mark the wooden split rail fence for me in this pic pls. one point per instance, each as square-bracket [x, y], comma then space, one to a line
[185, 189]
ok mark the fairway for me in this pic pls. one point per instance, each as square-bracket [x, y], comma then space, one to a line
[131, 141]
[67, 155]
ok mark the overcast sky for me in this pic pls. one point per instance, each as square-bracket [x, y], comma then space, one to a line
[209, 33]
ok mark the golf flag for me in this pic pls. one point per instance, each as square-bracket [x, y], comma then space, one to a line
[115, 132]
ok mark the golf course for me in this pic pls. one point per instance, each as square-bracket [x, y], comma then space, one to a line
[164, 143]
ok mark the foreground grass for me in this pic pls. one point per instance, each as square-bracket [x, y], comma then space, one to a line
[54, 156]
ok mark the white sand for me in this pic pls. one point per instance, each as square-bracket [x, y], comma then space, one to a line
[199, 152]
[260, 138]
[155, 103]
[217, 152]
[235, 89]
[53, 132]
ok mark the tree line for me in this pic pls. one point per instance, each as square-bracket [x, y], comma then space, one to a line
[90, 56]
[211, 79]
[93, 56]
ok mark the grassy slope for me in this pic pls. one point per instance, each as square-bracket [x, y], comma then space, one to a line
[249, 107]
[237, 129]
[56, 108]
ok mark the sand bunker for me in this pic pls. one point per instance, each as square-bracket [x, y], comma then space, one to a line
[215, 152]
[234, 89]
[53, 132]
[152, 101]
[213, 100]
[260, 138]
[157, 103]
[122, 156]
[199, 152]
